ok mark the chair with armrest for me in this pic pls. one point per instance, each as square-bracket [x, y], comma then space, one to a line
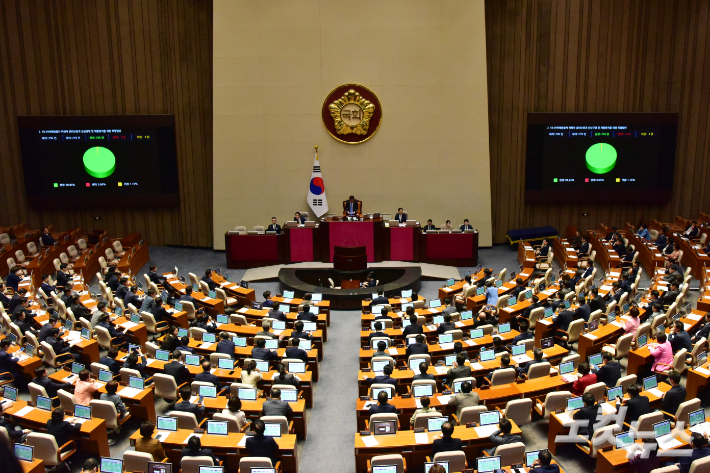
[573, 332]
[137, 461]
[424, 357]
[104, 338]
[701, 465]
[186, 420]
[374, 386]
[457, 460]
[52, 359]
[511, 453]
[5, 437]
[699, 347]
[666, 469]
[195, 387]
[553, 401]
[621, 348]
[196, 333]
[423, 382]
[644, 425]
[504, 376]
[166, 387]
[150, 349]
[232, 424]
[189, 307]
[229, 302]
[107, 410]
[598, 390]
[684, 409]
[95, 367]
[584, 261]
[37, 390]
[677, 364]
[286, 426]
[247, 463]
[204, 288]
[421, 421]
[215, 357]
[518, 410]
[529, 343]
[538, 370]
[193, 464]
[470, 414]
[369, 423]
[127, 373]
[193, 279]
[154, 328]
[600, 440]
[393, 459]
[383, 358]
[626, 381]
[47, 450]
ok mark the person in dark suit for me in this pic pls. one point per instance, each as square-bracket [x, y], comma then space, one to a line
[16, 299]
[535, 303]
[609, 372]
[401, 217]
[194, 449]
[207, 278]
[413, 328]
[544, 464]
[187, 297]
[177, 370]
[537, 358]
[446, 443]
[8, 363]
[47, 239]
[4, 300]
[297, 218]
[700, 449]
[383, 406]
[380, 299]
[502, 436]
[153, 275]
[110, 360]
[634, 270]
[122, 288]
[274, 227]
[15, 435]
[14, 278]
[385, 378]
[692, 231]
[524, 334]
[446, 326]
[66, 297]
[377, 333]
[51, 386]
[206, 323]
[679, 338]
[352, 208]
[59, 345]
[260, 445]
[275, 313]
[208, 377]
[61, 430]
[662, 241]
[293, 351]
[185, 345]
[584, 248]
[544, 249]
[429, 226]
[423, 368]
[21, 322]
[383, 315]
[465, 226]
[226, 346]
[588, 272]
[419, 348]
[636, 405]
[673, 275]
[306, 315]
[519, 287]
[46, 287]
[583, 311]
[63, 278]
[44, 330]
[119, 337]
[186, 406]
[137, 361]
[285, 378]
[299, 333]
[158, 311]
[564, 319]
[596, 302]
[704, 331]
[675, 396]
[132, 298]
[22, 308]
[259, 352]
[267, 299]
[459, 369]
[589, 413]
[669, 297]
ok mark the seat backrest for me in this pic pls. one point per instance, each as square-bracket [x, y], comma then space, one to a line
[96, 367]
[193, 279]
[421, 421]
[232, 423]
[148, 321]
[701, 465]
[471, 414]
[105, 410]
[186, 420]
[597, 390]
[519, 411]
[393, 459]
[195, 386]
[381, 386]
[645, 423]
[623, 345]
[511, 453]
[457, 460]
[626, 381]
[189, 307]
[603, 438]
[596, 315]
[504, 376]
[66, 400]
[281, 420]
[383, 358]
[214, 358]
[535, 315]
[196, 333]
[539, 370]
[679, 360]
[165, 386]
[136, 461]
[45, 448]
[685, 408]
[575, 330]
[247, 463]
[36, 390]
[5, 437]
[49, 356]
[425, 382]
[556, 400]
[204, 288]
[193, 464]
[103, 337]
[126, 373]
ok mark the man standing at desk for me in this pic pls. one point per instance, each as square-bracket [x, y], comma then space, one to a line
[274, 227]
[352, 208]
[401, 217]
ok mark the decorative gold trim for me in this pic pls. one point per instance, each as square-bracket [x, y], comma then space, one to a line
[325, 103]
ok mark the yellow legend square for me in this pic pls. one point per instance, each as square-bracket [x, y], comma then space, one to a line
[618, 179]
[120, 184]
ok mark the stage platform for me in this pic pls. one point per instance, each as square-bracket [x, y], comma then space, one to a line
[429, 271]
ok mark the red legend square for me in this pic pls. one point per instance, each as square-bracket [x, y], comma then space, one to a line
[88, 184]
[586, 180]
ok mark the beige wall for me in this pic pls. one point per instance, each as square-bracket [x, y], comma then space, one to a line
[274, 64]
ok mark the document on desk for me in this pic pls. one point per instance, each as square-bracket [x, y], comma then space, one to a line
[447, 346]
[242, 442]
[441, 369]
[243, 310]
[129, 392]
[392, 350]
[150, 361]
[565, 418]
[278, 332]
[368, 404]
[421, 437]
[608, 408]
[128, 325]
[702, 371]
[591, 336]
[470, 343]
[694, 316]
[668, 441]
[521, 358]
[605, 288]
[447, 289]
[403, 301]
[485, 430]
[287, 301]
[570, 378]
[206, 345]
[617, 323]
[431, 327]
[459, 324]
[476, 366]
[444, 399]
[184, 442]
[76, 420]
[24, 411]
[433, 311]
[656, 392]
[702, 428]
[370, 441]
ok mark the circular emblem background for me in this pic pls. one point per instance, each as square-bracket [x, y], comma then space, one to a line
[351, 113]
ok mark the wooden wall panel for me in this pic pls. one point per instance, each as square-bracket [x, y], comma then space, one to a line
[596, 56]
[106, 57]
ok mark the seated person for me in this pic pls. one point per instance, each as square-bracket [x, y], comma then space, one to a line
[266, 331]
[537, 358]
[118, 338]
[679, 338]
[524, 334]
[466, 226]
[383, 406]
[459, 369]
[274, 227]
[187, 297]
[159, 312]
[226, 345]
[267, 299]
[543, 250]
[194, 449]
[636, 405]
[584, 379]
[286, 378]
[400, 216]
[505, 363]
[589, 413]
[381, 349]
[171, 341]
[423, 374]
[110, 361]
[429, 226]
[306, 314]
[49, 385]
[185, 345]
[502, 436]
[137, 361]
[234, 410]
[207, 278]
[297, 218]
[700, 449]
[85, 387]
[384, 315]
[207, 377]
[446, 326]
[132, 298]
[380, 299]
[352, 208]
[544, 464]
[184, 404]
[377, 333]
[46, 287]
[384, 378]
[276, 314]
[419, 348]
[176, 369]
[260, 445]
[147, 444]
[122, 288]
[675, 396]
[447, 226]
[260, 352]
[413, 328]
[111, 396]
[14, 433]
[293, 350]
[274, 406]
[464, 398]
[205, 322]
[299, 333]
[61, 430]
[446, 443]
[609, 372]
[251, 374]
[425, 409]
[46, 238]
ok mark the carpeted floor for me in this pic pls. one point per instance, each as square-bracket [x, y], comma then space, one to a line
[331, 423]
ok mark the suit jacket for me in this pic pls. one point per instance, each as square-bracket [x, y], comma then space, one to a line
[417, 349]
[131, 298]
[590, 414]
[661, 241]
[608, 374]
[148, 305]
[262, 446]
[44, 332]
[522, 336]
[380, 300]
[154, 278]
[62, 279]
[5, 301]
[13, 281]
[384, 379]
[584, 248]
[187, 406]
[445, 327]
[565, 318]
[226, 347]
[636, 407]
[48, 289]
[596, 303]
[51, 386]
[383, 409]
[10, 427]
[264, 354]
[680, 340]
[111, 363]
[297, 353]
[581, 384]
[277, 314]
[429, 227]
[159, 313]
[47, 239]
[696, 453]
[121, 291]
[210, 283]
[62, 430]
[208, 377]
[415, 329]
[669, 297]
[401, 218]
[352, 208]
[289, 379]
[276, 407]
[274, 228]
[177, 371]
[423, 376]
[465, 227]
[446, 444]
[673, 398]
[461, 371]
[307, 316]
[583, 312]
[8, 363]
[111, 330]
[504, 439]
[308, 336]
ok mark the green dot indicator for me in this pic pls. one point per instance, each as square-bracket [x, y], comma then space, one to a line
[99, 162]
[601, 158]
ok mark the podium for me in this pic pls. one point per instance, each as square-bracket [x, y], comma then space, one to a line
[350, 258]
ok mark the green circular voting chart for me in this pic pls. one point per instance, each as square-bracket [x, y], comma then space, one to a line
[99, 162]
[601, 158]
